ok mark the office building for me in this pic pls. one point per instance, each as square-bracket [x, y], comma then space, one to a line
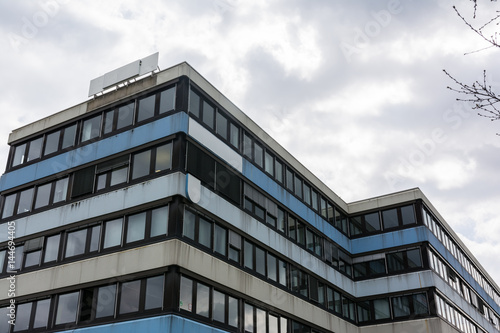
[158, 206]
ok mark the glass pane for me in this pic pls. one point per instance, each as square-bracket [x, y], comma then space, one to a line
[186, 294]
[35, 149]
[307, 195]
[202, 300]
[390, 218]
[208, 114]
[408, 215]
[382, 310]
[4, 324]
[248, 253]
[189, 225]
[75, 243]
[205, 233]
[282, 272]
[19, 255]
[377, 267]
[154, 293]
[61, 190]
[8, 205]
[218, 306]
[19, 153]
[194, 104]
[51, 248]
[105, 301]
[135, 227]
[167, 100]
[159, 221]
[43, 195]
[301, 233]
[283, 325]
[271, 267]
[298, 187]
[163, 157]
[25, 201]
[235, 135]
[248, 318]
[119, 176]
[247, 146]
[261, 320]
[372, 222]
[414, 258]
[273, 324]
[220, 240]
[91, 128]
[260, 261]
[94, 238]
[233, 312]
[32, 258]
[69, 136]
[269, 163]
[221, 125]
[66, 308]
[23, 315]
[51, 143]
[101, 181]
[259, 157]
[113, 233]
[289, 179]
[395, 262]
[401, 306]
[2, 259]
[129, 296]
[125, 116]
[141, 164]
[42, 313]
[146, 108]
[108, 121]
[420, 304]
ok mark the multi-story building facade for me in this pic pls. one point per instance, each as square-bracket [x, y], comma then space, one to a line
[160, 207]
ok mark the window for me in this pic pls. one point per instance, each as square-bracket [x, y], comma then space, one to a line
[408, 215]
[43, 195]
[381, 309]
[136, 225]
[163, 159]
[289, 179]
[109, 118]
[272, 264]
[67, 307]
[159, 221]
[208, 114]
[35, 149]
[202, 299]
[218, 306]
[105, 301]
[234, 133]
[19, 154]
[61, 190]
[8, 205]
[233, 311]
[205, 233]
[41, 313]
[248, 254]
[269, 163]
[403, 260]
[130, 296]
[248, 317]
[51, 143]
[220, 242]
[258, 155]
[141, 164]
[221, 125]
[279, 171]
[91, 128]
[75, 243]
[260, 261]
[25, 201]
[51, 248]
[154, 292]
[194, 104]
[113, 233]
[69, 134]
[247, 146]
[186, 294]
[167, 100]
[146, 108]
[234, 246]
[125, 116]
[83, 181]
[23, 315]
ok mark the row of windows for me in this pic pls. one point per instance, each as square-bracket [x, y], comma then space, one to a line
[400, 306]
[240, 250]
[99, 125]
[384, 220]
[452, 278]
[208, 302]
[399, 261]
[454, 317]
[433, 225]
[91, 179]
[216, 120]
[93, 304]
[98, 237]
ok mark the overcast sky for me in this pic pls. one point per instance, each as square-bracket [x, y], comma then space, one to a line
[355, 90]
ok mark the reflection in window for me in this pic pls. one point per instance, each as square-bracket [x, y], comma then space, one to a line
[220, 240]
[381, 307]
[208, 114]
[25, 201]
[202, 299]
[51, 143]
[167, 100]
[91, 128]
[69, 136]
[23, 315]
[205, 232]
[118, 176]
[105, 301]
[159, 221]
[218, 306]
[390, 218]
[125, 116]
[113, 233]
[75, 243]
[8, 205]
[186, 294]
[108, 121]
[136, 226]
[248, 319]
[233, 311]
[408, 215]
[61, 190]
[35, 149]
[66, 308]
[401, 306]
[163, 157]
[194, 104]
[146, 108]
[234, 133]
[43, 195]
[141, 164]
[221, 125]
[42, 313]
[19, 154]
[154, 293]
[129, 296]
[51, 248]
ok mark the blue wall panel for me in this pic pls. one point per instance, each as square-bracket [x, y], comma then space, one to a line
[133, 138]
[163, 324]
